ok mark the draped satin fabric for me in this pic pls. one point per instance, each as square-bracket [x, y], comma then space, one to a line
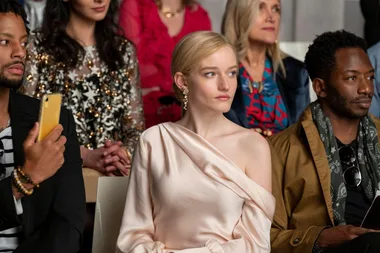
[185, 196]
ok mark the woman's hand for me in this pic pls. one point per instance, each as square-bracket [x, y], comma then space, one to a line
[111, 160]
[93, 158]
[117, 157]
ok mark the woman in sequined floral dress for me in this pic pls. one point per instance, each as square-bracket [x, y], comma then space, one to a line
[79, 54]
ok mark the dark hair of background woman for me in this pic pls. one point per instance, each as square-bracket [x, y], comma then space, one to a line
[68, 51]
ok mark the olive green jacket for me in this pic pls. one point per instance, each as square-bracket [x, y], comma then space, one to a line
[301, 186]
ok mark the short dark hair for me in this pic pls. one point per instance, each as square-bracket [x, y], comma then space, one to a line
[320, 58]
[15, 7]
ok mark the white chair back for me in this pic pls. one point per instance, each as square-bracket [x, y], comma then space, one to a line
[112, 192]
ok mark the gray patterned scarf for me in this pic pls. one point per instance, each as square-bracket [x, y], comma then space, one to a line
[368, 159]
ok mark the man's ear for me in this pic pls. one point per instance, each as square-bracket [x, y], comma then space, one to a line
[319, 86]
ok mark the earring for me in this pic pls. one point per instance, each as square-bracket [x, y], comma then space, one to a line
[184, 99]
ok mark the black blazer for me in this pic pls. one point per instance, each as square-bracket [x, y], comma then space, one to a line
[53, 216]
[294, 90]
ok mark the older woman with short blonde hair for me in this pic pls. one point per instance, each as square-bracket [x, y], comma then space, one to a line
[273, 88]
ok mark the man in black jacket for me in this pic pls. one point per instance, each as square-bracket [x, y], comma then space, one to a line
[42, 201]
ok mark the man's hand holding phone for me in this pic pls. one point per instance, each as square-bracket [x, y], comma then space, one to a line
[44, 158]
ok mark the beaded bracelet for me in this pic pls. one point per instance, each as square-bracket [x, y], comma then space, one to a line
[20, 187]
[26, 177]
[19, 184]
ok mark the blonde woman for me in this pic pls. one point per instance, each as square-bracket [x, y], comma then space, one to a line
[272, 87]
[194, 186]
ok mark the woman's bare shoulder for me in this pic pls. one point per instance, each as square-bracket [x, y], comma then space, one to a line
[254, 149]
[248, 137]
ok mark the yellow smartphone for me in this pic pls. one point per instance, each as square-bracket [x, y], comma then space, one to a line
[50, 110]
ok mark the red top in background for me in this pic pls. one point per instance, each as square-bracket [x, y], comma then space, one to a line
[142, 25]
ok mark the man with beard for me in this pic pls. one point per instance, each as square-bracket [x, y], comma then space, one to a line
[42, 199]
[326, 167]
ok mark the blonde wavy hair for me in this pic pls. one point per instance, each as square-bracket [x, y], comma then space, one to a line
[236, 26]
[192, 49]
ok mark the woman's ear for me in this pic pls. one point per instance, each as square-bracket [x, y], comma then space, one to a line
[180, 81]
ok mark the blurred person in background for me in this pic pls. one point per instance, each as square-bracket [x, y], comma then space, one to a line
[78, 53]
[371, 13]
[374, 56]
[155, 27]
[273, 88]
